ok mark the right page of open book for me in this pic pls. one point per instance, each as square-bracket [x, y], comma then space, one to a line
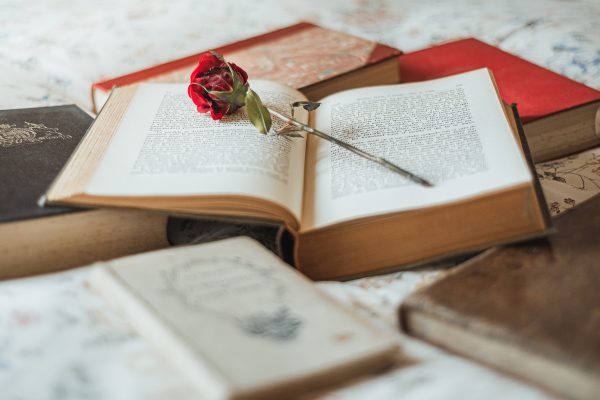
[450, 131]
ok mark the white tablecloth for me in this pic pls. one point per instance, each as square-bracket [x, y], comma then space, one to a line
[58, 340]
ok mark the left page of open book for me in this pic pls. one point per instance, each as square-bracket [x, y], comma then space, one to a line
[238, 321]
[164, 147]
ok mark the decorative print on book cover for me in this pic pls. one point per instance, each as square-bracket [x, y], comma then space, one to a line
[267, 316]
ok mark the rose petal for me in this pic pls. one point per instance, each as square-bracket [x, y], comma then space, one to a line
[243, 75]
[213, 74]
[217, 82]
[203, 108]
[196, 94]
[206, 62]
[218, 109]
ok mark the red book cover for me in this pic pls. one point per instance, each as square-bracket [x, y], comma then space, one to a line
[537, 91]
[298, 55]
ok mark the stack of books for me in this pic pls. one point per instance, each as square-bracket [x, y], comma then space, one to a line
[149, 166]
[36, 240]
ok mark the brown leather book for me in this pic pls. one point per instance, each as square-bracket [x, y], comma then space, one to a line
[532, 310]
[316, 60]
[149, 149]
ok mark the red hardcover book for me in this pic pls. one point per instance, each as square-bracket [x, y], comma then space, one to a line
[559, 113]
[304, 56]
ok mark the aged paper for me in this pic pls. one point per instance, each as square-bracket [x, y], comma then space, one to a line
[451, 131]
[163, 147]
[217, 308]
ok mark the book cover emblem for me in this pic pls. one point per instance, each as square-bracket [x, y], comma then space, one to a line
[30, 133]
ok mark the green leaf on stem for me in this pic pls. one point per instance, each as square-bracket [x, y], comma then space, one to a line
[257, 112]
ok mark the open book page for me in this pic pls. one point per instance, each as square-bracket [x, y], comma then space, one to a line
[451, 131]
[164, 147]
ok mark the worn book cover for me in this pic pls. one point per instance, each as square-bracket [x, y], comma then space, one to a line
[239, 322]
[35, 143]
[532, 310]
[301, 56]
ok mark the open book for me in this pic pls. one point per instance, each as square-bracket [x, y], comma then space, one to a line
[150, 149]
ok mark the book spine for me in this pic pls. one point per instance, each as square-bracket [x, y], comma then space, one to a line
[146, 321]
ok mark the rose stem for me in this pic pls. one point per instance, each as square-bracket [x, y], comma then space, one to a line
[379, 160]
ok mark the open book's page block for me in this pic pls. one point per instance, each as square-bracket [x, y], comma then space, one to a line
[239, 322]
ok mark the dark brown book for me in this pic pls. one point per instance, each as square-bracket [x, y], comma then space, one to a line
[35, 143]
[532, 310]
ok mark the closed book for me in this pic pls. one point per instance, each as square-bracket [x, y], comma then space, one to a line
[316, 60]
[239, 323]
[150, 149]
[560, 115]
[532, 310]
[35, 143]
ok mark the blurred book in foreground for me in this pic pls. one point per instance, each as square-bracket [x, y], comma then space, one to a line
[240, 323]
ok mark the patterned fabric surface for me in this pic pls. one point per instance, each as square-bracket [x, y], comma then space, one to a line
[57, 338]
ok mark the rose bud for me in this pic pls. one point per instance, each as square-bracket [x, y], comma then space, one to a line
[217, 86]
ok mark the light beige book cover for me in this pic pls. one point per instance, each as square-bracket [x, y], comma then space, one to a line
[239, 322]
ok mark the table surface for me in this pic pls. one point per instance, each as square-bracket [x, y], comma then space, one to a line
[59, 340]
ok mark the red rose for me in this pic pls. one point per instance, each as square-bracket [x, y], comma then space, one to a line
[213, 87]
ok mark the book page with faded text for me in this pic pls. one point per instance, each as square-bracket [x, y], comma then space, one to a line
[164, 147]
[451, 131]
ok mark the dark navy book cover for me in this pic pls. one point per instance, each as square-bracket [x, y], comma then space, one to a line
[35, 143]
